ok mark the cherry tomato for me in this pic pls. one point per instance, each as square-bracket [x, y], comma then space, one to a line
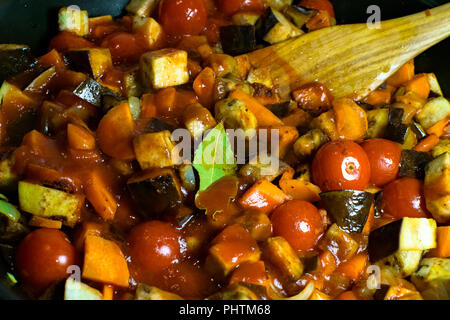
[154, 246]
[384, 157]
[124, 47]
[300, 223]
[323, 5]
[341, 165]
[230, 7]
[404, 198]
[42, 258]
[183, 17]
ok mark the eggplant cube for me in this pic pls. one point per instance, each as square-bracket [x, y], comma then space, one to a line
[50, 203]
[155, 191]
[164, 68]
[437, 177]
[14, 58]
[280, 253]
[94, 61]
[74, 20]
[237, 40]
[150, 29]
[435, 110]
[143, 8]
[155, 150]
[402, 263]
[432, 278]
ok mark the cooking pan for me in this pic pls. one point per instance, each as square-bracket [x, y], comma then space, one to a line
[34, 22]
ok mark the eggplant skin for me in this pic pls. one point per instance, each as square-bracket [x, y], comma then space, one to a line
[413, 164]
[93, 92]
[350, 208]
[396, 129]
[384, 241]
[238, 40]
[15, 59]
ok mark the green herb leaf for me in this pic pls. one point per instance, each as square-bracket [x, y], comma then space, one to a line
[8, 209]
[214, 158]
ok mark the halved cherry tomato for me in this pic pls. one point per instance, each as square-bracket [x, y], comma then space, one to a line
[43, 257]
[124, 47]
[230, 7]
[384, 157]
[404, 198]
[324, 5]
[300, 223]
[153, 247]
[183, 17]
[341, 165]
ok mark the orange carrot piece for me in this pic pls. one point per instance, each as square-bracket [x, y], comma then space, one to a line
[250, 272]
[370, 221]
[354, 268]
[264, 116]
[194, 68]
[115, 133]
[419, 85]
[347, 295]
[403, 75]
[41, 222]
[427, 143]
[243, 65]
[88, 228]
[299, 118]
[322, 19]
[108, 292]
[438, 128]
[263, 196]
[148, 106]
[379, 97]
[351, 119]
[104, 262]
[53, 58]
[327, 263]
[99, 196]
[80, 138]
[300, 190]
[204, 87]
[443, 243]
[319, 295]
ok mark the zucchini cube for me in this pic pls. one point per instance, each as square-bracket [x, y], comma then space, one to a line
[94, 61]
[143, 8]
[150, 29]
[280, 253]
[164, 68]
[437, 178]
[74, 20]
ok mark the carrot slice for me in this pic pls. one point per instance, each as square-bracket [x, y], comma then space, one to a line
[347, 295]
[404, 74]
[354, 268]
[80, 138]
[379, 97]
[99, 196]
[442, 249]
[351, 119]
[263, 196]
[108, 292]
[427, 144]
[41, 222]
[419, 85]
[204, 87]
[438, 128]
[300, 190]
[104, 262]
[264, 116]
[149, 109]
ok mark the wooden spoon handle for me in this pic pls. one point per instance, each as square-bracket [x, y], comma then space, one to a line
[353, 60]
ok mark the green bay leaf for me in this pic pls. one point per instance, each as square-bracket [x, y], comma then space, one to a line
[214, 158]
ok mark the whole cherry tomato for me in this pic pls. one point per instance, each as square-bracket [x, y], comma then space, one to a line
[42, 258]
[300, 223]
[341, 165]
[324, 5]
[230, 7]
[183, 17]
[384, 157]
[404, 198]
[124, 47]
[154, 246]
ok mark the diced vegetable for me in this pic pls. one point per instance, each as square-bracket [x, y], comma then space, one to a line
[150, 29]
[434, 84]
[404, 74]
[433, 278]
[310, 142]
[435, 110]
[197, 119]
[261, 76]
[418, 130]
[281, 109]
[437, 188]
[155, 191]
[413, 164]
[155, 150]
[223, 65]
[188, 177]
[74, 20]
[131, 83]
[235, 114]
[327, 123]
[279, 252]
[231, 247]
[401, 293]
[204, 87]
[300, 190]
[350, 208]
[419, 85]
[355, 268]
[341, 244]
[164, 68]
[8, 179]
[257, 223]
[442, 147]
[351, 119]
[238, 40]
[442, 249]
[402, 263]
[40, 222]
[274, 27]
[104, 262]
[94, 61]
[76, 290]
[93, 92]
[50, 203]
[237, 291]
[14, 59]
[263, 196]
[143, 8]
[396, 130]
[299, 15]
[80, 138]
[404, 234]
[146, 292]
[245, 18]
[99, 196]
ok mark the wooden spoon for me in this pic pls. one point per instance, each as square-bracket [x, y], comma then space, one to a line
[352, 60]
